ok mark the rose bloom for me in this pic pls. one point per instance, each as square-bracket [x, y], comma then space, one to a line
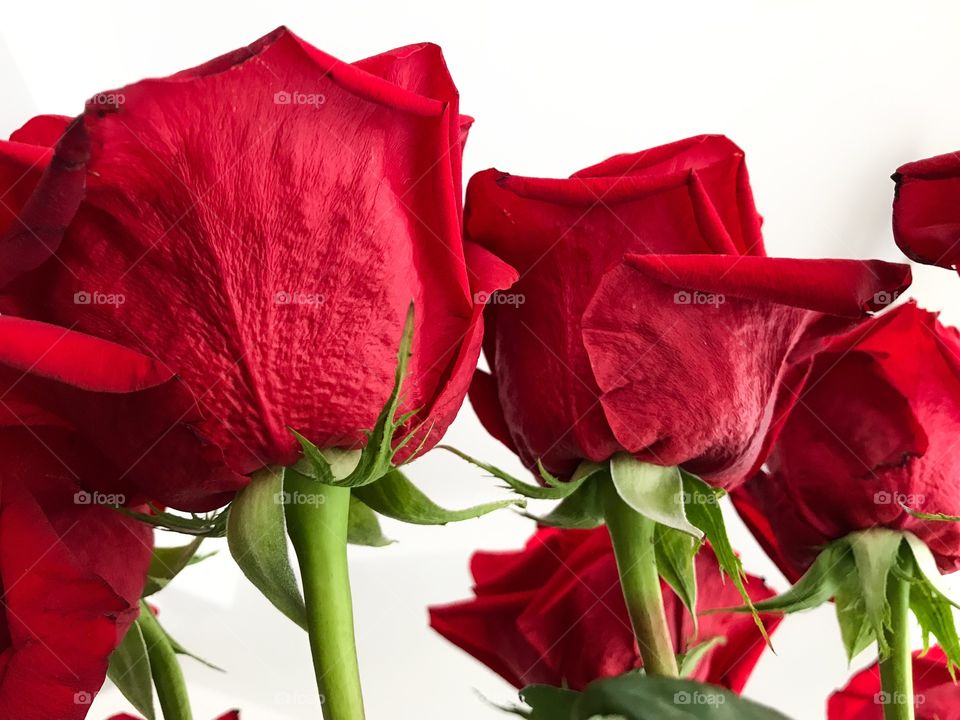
[646, 318]
[874, 433]
[259, 226]
[554, 613]
[926, 210]
[937, 696]
[71, 572]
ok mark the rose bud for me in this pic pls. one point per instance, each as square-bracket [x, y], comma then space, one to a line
[72, 571]
[936, 697]
[259, 225]
[871, 439]
[646, 318]
[926, 210]
[552, 613]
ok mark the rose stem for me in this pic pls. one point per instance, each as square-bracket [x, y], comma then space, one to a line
[633, 543]
[896, 670]
[317, 525]
[164, 668]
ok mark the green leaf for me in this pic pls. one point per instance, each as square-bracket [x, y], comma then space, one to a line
[654, 491]
[257, 538]
[129, 670]
[364, 526]
[675, 552]
[818, 585]
[166, 563]
[547, 702]
[648, 697]
[582, 510]
[927, 566]
[554, 489]
[398, 498]
[875, 553]
[703, 509]
[688, 661]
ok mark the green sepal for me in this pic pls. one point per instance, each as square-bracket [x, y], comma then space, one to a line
[818, 585]
[553, 488]
[396, 497]
[635, 696]
[654, 491]
[855, 628]
[364, 526]
[675, 552]
[211, 525]
[129, 671]
[932, 517]
[582, 510]
[257, 538]
[167, 562]
[875, 553]
[931, 604]
[703, 509]
[688, 661]
[927, 566]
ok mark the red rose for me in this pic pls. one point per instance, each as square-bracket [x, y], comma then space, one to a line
[937, 696]
[874, 431]
[260, 225]
[926, 210]
[71, 573]
[554, 613]
[646, 318]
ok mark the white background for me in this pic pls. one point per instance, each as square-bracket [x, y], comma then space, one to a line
[826, 98]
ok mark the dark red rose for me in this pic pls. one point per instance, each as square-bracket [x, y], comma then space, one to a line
[554, 613]
[875, 430]
[232, 715]
[926, 210]
[71, 574]
[260, 225]
[936, 695]
[646, 317]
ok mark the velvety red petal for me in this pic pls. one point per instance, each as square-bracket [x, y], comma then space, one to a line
[44, 130]
[691, 352]
[926, 210]
[291, 241]
[71, 576]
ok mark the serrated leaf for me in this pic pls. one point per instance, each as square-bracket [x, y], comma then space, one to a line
[654, 491]
[166, 563]
[364, 526]
[675, 552]
[645, 697]
[927, 566]
[875, 553]
[703, 509]
[688, 661]
[582, 510]
[818, 585]
[129, 670]
[257, 538]
[398, 498]
[554, 488]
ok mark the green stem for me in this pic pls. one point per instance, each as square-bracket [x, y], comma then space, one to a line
[896, 670]
[164, 668]
[633, 543]
[317, 520]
